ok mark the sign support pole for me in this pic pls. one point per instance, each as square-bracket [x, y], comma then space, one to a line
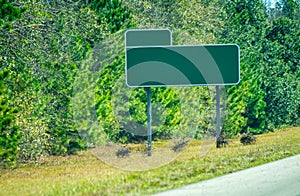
[218, 115]
[149, 120]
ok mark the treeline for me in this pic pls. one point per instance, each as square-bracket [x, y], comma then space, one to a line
[46, 47]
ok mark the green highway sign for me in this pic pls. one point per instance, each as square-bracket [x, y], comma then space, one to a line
[160, 64]
[151, 60]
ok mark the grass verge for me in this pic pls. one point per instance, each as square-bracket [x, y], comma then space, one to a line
[84, 174]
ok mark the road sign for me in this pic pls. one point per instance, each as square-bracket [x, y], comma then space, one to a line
[151, 60]
[192, 65]
[148, 37]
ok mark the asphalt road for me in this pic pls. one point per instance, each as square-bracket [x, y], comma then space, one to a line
[279, 178]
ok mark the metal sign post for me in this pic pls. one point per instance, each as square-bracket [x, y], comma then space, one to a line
[147, 37]
[149, 120]
[218, 115]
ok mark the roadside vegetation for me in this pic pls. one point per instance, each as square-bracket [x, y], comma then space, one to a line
[84, 174]
[53, 52]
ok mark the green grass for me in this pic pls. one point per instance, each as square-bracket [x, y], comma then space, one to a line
[84, 174]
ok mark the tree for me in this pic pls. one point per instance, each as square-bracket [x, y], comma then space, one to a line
[9, 132]
[268, 95]
[281, 72]
[43, 52]
[192, 22]
[290, 9]
[245, 26]
[8, 13]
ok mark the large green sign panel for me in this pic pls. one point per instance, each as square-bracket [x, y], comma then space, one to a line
[160, 64]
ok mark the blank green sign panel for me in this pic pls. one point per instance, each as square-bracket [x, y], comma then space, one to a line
[193, 65]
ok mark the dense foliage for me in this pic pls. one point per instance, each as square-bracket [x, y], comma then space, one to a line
[245, 27]
[9, 132]
[8, 13]
[53, 52]
[282, 69]
[268, 95]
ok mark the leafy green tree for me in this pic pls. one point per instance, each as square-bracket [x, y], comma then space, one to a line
[289, 9]
[43, 52]
[8, 13]
[245, 25]
[281, 78]
[191, 22]
[286, 8]
[268, 95]
[112, 12]
[9, 132]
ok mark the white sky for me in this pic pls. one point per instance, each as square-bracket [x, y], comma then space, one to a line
[273, 3]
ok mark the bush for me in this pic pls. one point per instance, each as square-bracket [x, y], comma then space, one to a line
[248, 138]
[221, 142]
[179, 145]
[123, 152]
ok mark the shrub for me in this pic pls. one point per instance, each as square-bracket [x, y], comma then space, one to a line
[123, 152]
[248, 138]
[221, 142]
[179, 145]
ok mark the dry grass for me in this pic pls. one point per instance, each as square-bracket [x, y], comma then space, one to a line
[84, 174]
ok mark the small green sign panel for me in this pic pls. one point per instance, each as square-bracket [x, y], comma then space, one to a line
[148, 37]
[193, 65]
